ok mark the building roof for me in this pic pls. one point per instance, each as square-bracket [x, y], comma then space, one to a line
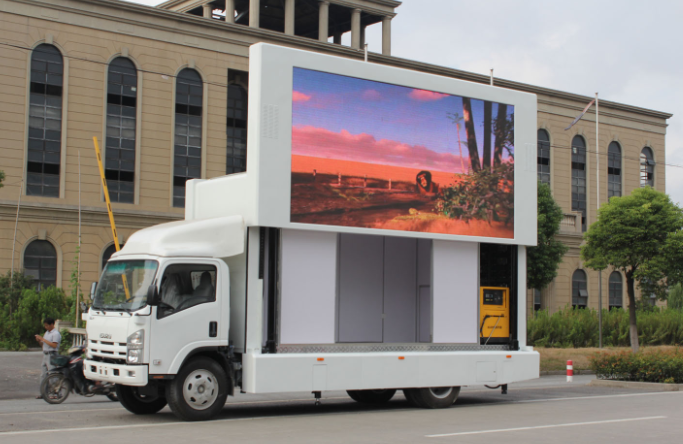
[208, 28]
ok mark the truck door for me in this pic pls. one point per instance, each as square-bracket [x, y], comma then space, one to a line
[189, 314]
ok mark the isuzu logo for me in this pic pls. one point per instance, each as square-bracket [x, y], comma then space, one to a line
[105, 336]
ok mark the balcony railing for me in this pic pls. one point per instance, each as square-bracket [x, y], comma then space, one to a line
[571, 224]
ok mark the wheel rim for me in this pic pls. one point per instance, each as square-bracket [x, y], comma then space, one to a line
[441, 392]
[57, 387]
[200, 389]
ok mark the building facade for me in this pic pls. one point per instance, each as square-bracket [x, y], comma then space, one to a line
[165, 91]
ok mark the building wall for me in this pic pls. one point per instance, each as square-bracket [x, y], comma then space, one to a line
[90, 34]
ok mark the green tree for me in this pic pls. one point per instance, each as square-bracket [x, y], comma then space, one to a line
[675, 299]
[2, 177]
[544, 259]
[639, 235]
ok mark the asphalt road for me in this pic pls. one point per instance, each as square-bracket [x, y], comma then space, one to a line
[19, 374]
[547, 410]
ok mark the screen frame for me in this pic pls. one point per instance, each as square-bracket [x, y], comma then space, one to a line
[269, 153]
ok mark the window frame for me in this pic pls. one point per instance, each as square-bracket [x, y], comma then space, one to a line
[647, 167]
[192, 156]
[576, 186]
[163, 312]
[543, 176]
[613, 290]
[36, 181]
[235, 124]
[614, 172]
[124, 114]
[578, 287]
[40, 281]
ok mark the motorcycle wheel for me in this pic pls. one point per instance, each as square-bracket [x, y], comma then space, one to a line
[55, 388]
[112, 397]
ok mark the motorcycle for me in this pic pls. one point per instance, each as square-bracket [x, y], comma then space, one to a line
[67, 376]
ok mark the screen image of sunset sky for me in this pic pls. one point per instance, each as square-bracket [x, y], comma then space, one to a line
[375, 155]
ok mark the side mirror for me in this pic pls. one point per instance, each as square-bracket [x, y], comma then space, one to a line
[93, 287]
[153, 294]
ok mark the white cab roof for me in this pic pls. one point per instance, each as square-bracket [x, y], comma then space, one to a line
[217, 237]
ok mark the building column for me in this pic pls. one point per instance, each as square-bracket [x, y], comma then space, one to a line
[289, 17]
[254, 12]
[355, 29]
[386, 36]
[207, 10]
[337, 38]
[324, 21]
[229, 11]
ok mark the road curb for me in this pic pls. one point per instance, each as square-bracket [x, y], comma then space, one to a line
[653, 386]
[564, 372]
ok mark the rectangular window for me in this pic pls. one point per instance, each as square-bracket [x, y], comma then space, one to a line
[579, 183]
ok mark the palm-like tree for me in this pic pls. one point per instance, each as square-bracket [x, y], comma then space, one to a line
[457, 118]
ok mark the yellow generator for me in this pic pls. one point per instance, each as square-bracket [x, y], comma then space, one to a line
[494, 313]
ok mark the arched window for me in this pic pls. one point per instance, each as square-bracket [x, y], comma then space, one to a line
[122, 93]
[40, 262]
[187, 158]
[613, 170]
[579, 178]
[543, 158]
[45, 122]
[106, 255]
[579, 289]
[616, 290]
[647, 168]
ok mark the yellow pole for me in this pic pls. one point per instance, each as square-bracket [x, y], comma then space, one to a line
[111, 213]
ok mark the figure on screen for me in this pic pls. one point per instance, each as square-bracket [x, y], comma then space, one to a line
[424, 184]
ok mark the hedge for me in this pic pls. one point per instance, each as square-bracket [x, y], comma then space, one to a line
[579, 328]
[650, 366]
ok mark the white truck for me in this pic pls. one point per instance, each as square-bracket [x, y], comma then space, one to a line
[357, 252]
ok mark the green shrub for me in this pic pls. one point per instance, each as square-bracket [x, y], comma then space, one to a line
[579, 328]
[651, 366]
[65, 345]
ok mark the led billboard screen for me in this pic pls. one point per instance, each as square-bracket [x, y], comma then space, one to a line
[369, 154]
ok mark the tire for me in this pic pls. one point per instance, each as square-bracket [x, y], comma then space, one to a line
[372, 396]
[55, 388]
[433, 397]
[199, 390]
[112, 396]
[134, 402]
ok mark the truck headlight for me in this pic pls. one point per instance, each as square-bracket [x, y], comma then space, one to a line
[135, 344]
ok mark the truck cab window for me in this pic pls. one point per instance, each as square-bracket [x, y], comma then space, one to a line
[186, 285]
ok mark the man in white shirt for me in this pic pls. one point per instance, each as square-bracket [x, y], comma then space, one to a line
[50, 341]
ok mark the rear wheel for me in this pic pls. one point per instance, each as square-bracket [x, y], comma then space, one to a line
[372, 396]
[432, 397]
[199, 390]
[137, 403]
[55, 388]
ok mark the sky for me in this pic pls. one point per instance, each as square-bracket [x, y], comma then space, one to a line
[367, 121]
[626, 50]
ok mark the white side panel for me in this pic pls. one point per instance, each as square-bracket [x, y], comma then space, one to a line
[237, 266]
[272, 373]
[521, 298]
[455, 266]
[308, 292]
[400, 289]
[361, 265]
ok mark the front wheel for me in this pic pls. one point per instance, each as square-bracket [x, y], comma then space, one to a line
[371, 396]
[55, 388]
[134, 402]
[199, 390]
[432, 397]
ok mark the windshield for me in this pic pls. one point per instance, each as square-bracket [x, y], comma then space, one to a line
[124, 285]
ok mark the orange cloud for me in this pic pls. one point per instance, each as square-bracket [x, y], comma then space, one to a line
[319, 142]
[300, 97]
[425, 96]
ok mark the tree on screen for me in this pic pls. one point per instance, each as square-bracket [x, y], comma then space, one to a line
[487, 135]
[471, 136]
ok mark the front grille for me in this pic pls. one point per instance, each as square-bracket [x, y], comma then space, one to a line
[107, 351]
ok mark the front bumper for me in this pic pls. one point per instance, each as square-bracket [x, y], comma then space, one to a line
[135, 375]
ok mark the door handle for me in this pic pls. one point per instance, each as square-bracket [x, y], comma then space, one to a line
[213, 329]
